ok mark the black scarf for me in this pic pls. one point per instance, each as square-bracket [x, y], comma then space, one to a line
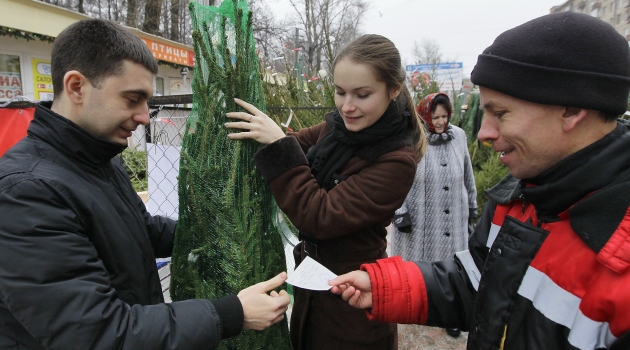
[393, 130]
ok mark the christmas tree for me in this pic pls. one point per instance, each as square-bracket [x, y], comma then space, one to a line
[227, 234]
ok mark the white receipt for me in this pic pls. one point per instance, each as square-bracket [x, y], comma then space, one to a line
[311, 275]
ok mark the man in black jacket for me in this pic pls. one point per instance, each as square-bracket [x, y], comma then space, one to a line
[548, 266]
[77, 246]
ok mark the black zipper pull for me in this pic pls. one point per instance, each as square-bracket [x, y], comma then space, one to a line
[522, 198]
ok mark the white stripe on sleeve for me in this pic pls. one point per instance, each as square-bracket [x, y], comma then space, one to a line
[492, 235]
[562, 307]
[471, 269]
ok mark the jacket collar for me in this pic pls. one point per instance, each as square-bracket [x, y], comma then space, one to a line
[573, 178]
[70, 139]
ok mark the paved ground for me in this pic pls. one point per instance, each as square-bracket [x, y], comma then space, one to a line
[412, 337]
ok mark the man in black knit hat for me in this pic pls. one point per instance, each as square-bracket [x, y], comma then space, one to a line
[548, 266]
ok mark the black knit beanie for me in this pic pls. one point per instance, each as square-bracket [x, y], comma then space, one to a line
[562, 59]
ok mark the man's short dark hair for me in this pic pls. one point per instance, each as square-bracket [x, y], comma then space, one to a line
[97, 48]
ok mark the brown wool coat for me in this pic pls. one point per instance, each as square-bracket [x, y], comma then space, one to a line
[348, 223]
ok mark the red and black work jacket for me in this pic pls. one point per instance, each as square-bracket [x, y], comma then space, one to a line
[548, 266]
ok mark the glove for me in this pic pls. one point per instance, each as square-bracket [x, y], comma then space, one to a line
[402, 222]
[472, 213]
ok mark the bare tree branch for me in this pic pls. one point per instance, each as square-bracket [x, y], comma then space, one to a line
[427, 52]
[327, 25]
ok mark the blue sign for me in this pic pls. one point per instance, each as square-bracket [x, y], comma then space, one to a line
[428, 67]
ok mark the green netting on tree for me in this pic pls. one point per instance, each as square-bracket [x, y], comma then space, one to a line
[227, 234]
[471, 120]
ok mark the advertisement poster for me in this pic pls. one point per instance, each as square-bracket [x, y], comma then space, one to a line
[448, 75]
[42, 79]
[10, 77]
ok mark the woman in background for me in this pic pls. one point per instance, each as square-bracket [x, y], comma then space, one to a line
[432, 224]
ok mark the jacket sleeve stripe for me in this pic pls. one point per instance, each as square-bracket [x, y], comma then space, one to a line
[567, 261]
[494, 232]
[398, 291]
[563, 308]
[471, 269]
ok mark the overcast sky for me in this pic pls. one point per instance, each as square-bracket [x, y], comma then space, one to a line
[463, 28]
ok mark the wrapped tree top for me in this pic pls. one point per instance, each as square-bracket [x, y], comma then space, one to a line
[226, 239]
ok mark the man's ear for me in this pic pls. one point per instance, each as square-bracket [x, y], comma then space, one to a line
[74, 84]
[572, 117]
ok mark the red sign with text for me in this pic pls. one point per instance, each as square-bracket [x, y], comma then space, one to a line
[10, 86]
[170, 53]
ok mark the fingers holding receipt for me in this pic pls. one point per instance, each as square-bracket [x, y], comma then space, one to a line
[311, 275]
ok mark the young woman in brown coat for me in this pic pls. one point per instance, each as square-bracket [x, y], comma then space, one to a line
[339, 182]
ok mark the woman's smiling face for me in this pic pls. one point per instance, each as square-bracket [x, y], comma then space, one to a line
[360, 98]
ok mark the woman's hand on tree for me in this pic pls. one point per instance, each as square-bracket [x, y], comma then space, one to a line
[256, 125]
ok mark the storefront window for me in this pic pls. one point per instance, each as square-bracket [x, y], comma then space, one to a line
[159, 85]
[10, 77]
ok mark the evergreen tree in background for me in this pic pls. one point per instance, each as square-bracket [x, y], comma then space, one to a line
[226, 239]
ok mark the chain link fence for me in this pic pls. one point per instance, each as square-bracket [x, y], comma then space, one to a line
[152, 158]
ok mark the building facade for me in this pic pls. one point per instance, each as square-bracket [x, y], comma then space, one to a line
[615, 12]
[27, 30]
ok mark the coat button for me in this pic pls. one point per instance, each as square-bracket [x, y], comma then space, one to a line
[447, 234]
[445, 188]
[498, 251]
[447, 211]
